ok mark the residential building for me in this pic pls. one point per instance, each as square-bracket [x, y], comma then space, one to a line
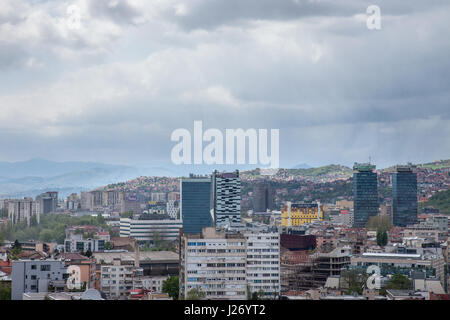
[76, 243]
[214, 262]
[263, 263]
[37, 276]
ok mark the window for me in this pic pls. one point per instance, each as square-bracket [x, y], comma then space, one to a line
[45, 267]
[33, 267]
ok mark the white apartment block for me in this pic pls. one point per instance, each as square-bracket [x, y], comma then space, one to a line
[263, 262]
[215, 263]
[20, 210]
[116, 279]
[144, 230]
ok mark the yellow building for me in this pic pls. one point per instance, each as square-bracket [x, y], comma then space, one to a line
[296, 214]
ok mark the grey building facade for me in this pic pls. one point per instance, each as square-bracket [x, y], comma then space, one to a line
[36, 276]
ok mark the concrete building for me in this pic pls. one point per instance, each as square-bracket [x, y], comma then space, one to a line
[47, 202]
[226, 198]
[23, 210]
[145, 230]
[76, 243]
[263, 263]
[37, 276]
[116, 279]
[215, 263]
[159, 196]
[426, 260]
[296, 214]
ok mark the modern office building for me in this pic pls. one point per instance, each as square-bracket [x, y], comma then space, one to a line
[404, 196]
[262, 197]
[263, 263]
[365, 194]
[145, 230]
[48, 202]
[215, 263]
[226, 198]
[37, 276]
[296, 214]
[195, 203]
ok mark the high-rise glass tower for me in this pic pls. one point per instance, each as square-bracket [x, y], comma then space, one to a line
[226, 198]
[195, 203]
[262, 197]
[365, 193]
[404, 196]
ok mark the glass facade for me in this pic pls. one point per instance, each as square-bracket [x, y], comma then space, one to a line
[404, 196]
[365, 197]
[196, 204]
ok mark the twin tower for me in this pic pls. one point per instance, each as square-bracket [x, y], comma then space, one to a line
[208, 201]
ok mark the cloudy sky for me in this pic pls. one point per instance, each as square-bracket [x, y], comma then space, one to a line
[113, 85]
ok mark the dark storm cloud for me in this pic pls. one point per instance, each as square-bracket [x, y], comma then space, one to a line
[207, 14]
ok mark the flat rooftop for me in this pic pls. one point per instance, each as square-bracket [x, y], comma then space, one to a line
[108, 257]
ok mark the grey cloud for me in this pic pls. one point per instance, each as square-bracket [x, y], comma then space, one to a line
[120, 12]
[209, 14]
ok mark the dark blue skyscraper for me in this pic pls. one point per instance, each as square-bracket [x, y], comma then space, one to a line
[195, 203]
[404, 196]
[365, 194]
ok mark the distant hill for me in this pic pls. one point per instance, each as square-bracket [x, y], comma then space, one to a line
[325, 173]
[302, 166]
[32, 177]
[440, 200]
[436, 164]
[38, 167]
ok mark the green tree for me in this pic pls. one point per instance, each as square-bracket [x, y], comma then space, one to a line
[127, 214]
[100, 219]
[195, 294]
[171, 286]
[384, 238]
[88, 253]
[353, 281]
[397, 282]
[5, 292]
[46, 235]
